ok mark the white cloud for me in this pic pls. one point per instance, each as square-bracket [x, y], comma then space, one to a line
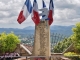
[66, 12]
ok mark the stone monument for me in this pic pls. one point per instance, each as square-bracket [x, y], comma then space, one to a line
[41, 45]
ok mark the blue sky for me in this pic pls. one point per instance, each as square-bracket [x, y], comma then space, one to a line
[66, 12]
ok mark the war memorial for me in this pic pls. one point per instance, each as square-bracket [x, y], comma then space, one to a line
[42, 46]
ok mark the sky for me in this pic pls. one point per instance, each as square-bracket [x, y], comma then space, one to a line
[66, 12]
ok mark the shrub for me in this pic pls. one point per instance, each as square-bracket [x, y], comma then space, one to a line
[8, 42]
[72, 55]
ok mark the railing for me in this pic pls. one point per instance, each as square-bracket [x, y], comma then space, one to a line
[46, 58]
[54, 38]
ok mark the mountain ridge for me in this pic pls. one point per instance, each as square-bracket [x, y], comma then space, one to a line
[65, 30]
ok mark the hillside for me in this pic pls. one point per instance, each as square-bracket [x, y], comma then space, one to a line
[65, 30]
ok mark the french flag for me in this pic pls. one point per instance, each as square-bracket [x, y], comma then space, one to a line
[25, 12]
[50, 16]
[35, 14]
[44, 6]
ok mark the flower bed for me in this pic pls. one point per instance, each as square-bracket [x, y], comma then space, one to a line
[9, 56]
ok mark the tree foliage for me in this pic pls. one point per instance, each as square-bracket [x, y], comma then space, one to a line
[8, 42]
[62, 45]
[76, 36]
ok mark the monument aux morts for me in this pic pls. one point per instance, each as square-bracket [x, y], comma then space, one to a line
[41, 45]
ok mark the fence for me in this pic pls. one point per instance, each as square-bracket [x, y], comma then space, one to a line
[54, 38]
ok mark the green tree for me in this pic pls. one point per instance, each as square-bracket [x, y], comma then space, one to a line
[62, 45]
[2, 42]
[8, 42]
[76, 36]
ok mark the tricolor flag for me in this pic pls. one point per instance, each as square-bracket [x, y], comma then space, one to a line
[44, 6]
[35, 14]
[25, 12]
[50, 16]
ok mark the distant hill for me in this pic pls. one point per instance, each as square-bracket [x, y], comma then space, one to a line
[61, 27]
[29, 28]
[65, 30]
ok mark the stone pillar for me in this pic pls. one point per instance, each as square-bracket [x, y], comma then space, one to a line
[42, 40]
